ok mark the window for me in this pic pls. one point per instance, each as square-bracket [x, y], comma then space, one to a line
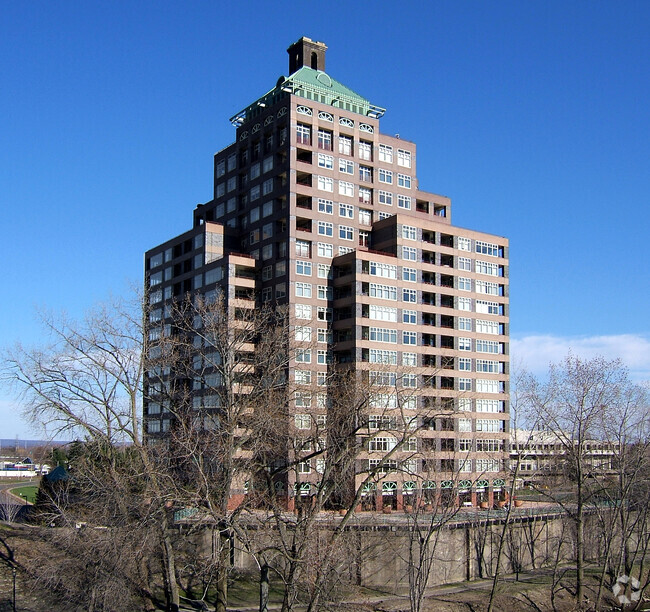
[403, 180]
[487, 365]
[465, 445]
[383, 334]
[465, 364]
[487, 287]
[410, 316]
[267, 164]
[324, 335]
[409, 295]
[325, 206]
[325, 183]
[487, 327]
[324, 271]
[489, 425]
[464, 284]
[465, 263]
[465, 404]
[487, 248]
[303, 267]
[382, 378]
[255, 171]
[303, 248]
[365, 173]
[365, 216]
[404, 202]
[410, 381]
[267, 186]
[409, 337]
[303, 311]
[382, 269]
[232, 162]
[221, 168]
[411, 446]
[346, 166]
[487, 307]
[465, 323]
[382, 313]
[382, 356]
[324, 314]
[321, 379]
[386, 198]
[487, 346]
[325, 228]
[484, 267]
[487, 386]
[464, 344]
[382, 443]
[365, 150]
[410, 253]
[488, 465]
[365, 195]
[303, 356]
[489, 405]
[280, 290]
[325, 161]
[325, 140]
[303, 377]
[345, 145]
[304, 467]
[302, 421]
[464, 303]
[267, 231]
[322, 357]
[465, 425]
[403, 158]
[385, 153]
[410, 359]
[254, 193]
[267, 273]
[378, 422]
[383, 215]
[325, 249]
[325, 293]
[464, 244]
[221, 189]
[385, 176]
[410, 275]
[464, 384]
[383, 292]
[346, 188]
[409, 232]
[303, 290]
[346, 232]
[346, 210]
[303, 134]
[303, 334]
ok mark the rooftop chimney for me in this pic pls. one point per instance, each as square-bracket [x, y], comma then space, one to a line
[306, 52]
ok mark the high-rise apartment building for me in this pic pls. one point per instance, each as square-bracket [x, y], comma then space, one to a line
[315, 209]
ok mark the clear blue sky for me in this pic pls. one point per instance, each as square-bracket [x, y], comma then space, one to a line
[532, 116]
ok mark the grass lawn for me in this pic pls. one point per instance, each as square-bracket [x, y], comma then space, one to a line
[27, 492]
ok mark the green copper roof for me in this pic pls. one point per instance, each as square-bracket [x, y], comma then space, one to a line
[312, 85]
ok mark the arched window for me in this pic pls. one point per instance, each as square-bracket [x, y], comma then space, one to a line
[314, 60]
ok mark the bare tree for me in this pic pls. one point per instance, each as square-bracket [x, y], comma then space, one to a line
[87, 383]
[577, 405]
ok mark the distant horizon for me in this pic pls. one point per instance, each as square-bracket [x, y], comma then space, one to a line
[11, 442]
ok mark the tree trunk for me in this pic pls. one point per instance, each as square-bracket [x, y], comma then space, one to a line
[169, 569]
[264, 588]
[222, 575]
